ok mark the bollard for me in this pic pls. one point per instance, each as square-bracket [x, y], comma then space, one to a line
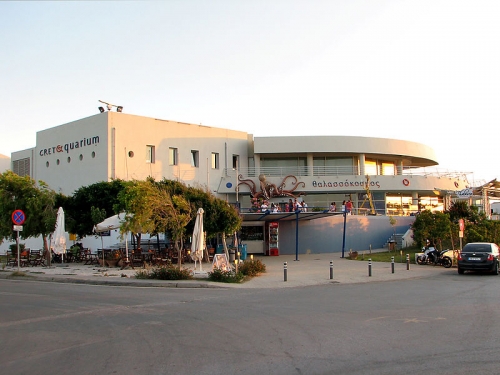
[285, 272]
[407, 261]
[331, 269]
[370, 267]
[392, 264]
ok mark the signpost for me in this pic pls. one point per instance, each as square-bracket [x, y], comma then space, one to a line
[18, 218]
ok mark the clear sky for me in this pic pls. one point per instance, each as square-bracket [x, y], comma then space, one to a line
[422, 70]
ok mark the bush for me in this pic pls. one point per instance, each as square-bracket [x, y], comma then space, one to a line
[222, 276]
[164, 273]
[252, 267]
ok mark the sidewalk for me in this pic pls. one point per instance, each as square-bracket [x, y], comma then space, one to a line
[309, 269]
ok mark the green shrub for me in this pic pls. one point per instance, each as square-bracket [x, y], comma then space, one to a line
[222, 276]
[164, 273]
[252, 267]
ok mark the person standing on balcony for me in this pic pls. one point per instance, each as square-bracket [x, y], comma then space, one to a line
[348, 207]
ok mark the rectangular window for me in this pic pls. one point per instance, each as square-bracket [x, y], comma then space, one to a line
[388, 169]
[150, 154]
[195, 158]
[236, 164]
[215, 160]
[172, 156]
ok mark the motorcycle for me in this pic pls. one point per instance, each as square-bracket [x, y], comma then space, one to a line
[433, 256]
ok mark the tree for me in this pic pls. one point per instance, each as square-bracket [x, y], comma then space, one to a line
[434, 227]
[80, 208]
[36, 200]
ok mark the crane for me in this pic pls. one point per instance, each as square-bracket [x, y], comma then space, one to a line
[368, 197]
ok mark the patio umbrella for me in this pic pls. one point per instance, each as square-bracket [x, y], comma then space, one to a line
[59, 237]
[198, 242]
[111, 223]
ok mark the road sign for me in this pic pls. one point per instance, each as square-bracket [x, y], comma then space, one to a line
[18, 228]
[18, 217]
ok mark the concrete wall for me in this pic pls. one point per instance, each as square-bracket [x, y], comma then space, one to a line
[326, 235]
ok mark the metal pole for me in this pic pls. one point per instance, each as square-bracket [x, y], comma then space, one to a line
[296, 235]
[369, 267]
[343, 236]
[331, 270]
[18, 252]
[392, 264]
[407, 261]
[285, 271]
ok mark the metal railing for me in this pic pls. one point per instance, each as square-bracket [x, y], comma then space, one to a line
[316, 171]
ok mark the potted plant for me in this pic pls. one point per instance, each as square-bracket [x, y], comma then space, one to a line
[112, 257]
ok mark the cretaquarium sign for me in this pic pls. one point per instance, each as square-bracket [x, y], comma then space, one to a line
[67, 147]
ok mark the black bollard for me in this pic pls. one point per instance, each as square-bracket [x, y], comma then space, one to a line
[392, 264]
[285, 272]
[370, 267]
[331, 269]
[407, 261]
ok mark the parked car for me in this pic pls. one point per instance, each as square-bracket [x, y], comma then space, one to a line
[479, 256]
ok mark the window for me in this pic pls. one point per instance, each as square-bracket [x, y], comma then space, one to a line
[172, 156]
[215, 160]
[195, 158]
[21, 167]
[236, 164]
[150, 154]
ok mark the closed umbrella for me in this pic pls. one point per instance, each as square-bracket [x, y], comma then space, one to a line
[59, 237]
[198, 242]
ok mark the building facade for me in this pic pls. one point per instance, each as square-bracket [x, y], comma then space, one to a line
[379, 176]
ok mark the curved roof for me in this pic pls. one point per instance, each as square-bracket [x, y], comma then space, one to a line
[415, 154]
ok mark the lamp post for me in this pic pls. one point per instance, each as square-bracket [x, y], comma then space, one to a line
[297, 234]
[343, 235]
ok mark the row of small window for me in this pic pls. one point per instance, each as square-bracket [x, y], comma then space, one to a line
[173, 157]
[58, 161]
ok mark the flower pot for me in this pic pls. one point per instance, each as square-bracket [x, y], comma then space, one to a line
[111, 262]
[353, 255]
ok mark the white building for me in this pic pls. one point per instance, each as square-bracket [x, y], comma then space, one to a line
[317, 169]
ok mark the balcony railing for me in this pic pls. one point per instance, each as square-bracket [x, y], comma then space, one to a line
[316, 171]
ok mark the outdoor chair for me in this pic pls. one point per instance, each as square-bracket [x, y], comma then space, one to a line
[36, 259]
[11, 258]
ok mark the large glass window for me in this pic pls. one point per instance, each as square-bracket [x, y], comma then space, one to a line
[388, 169]
[332, 166]
[284, 166]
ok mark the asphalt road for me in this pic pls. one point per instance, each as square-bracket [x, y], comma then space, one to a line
[445, 324]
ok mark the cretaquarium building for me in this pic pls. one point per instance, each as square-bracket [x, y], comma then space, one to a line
[381, 177]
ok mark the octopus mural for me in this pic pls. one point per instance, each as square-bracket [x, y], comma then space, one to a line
[269, 190]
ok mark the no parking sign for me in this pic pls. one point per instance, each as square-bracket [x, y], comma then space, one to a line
[18, 217]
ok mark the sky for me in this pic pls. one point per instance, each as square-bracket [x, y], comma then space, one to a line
[426, 71]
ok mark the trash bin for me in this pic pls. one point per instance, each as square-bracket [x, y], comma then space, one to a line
[243, 251]
[220, 249]
[232, 253]
[392, 245]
